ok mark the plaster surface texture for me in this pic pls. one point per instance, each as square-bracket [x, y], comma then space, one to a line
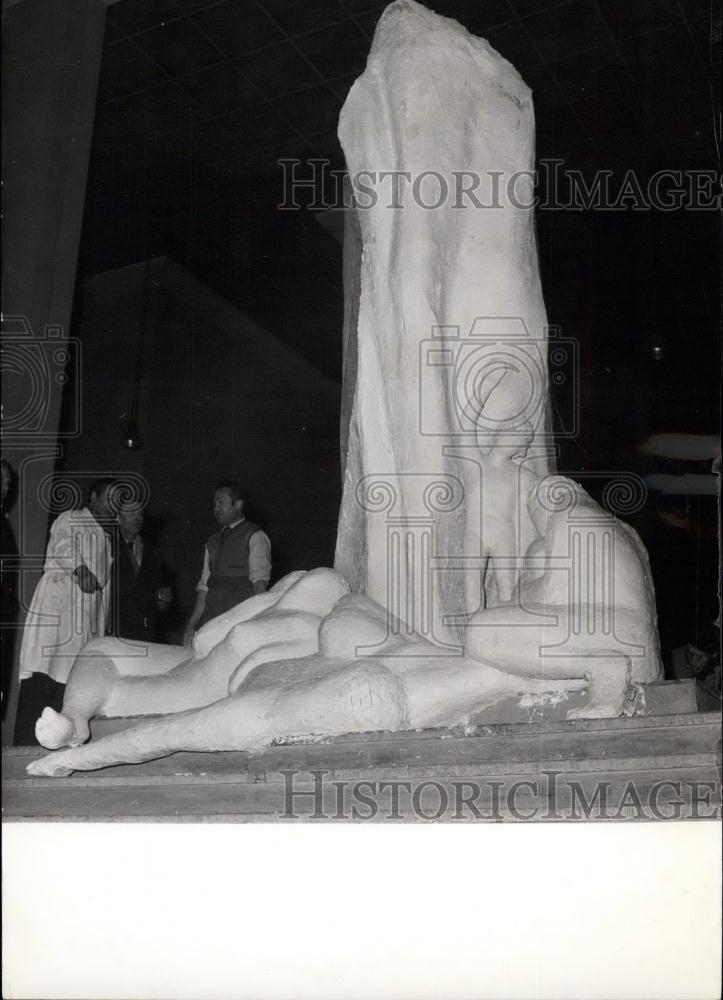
[452, 324]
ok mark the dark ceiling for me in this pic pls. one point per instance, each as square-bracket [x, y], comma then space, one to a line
[199, 100]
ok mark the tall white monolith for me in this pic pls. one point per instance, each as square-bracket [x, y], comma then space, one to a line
[438, 135]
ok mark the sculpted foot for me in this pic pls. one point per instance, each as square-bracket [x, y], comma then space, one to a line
[609, 685]
[53, 730]
[55, 765]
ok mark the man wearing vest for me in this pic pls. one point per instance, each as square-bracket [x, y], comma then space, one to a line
[237, 560]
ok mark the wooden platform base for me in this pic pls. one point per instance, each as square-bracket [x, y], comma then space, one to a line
[645, 767]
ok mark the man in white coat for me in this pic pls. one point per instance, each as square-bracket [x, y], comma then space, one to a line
[68, 608]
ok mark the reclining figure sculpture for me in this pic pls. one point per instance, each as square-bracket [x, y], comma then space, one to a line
[550, 594]
[310, 659]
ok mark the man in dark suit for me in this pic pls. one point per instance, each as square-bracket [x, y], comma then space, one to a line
[138, 592]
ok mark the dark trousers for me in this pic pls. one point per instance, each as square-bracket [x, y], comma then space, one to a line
[36, 693]
[224, 593]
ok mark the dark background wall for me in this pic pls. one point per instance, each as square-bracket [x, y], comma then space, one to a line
[219, 396]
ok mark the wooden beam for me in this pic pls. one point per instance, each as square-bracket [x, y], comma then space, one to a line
[681, 752]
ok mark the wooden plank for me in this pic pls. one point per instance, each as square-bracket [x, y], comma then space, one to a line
[236, 787]
[240, 787]
[669, 697]
[558, 744]
[601, 765]
[267, 801]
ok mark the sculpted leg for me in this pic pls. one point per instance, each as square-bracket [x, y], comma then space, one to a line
[231, 724]
[357, 697]
[449, 692]
[122, 684]
[53, 730]
[315, 592]
[96, 680]
[90, 687]
[217, 629]
[353, 697]
[196, 683]
[507, 638]
[290, 649]
[609, 682]
[97, 688]
[506, 579]
[513, 640]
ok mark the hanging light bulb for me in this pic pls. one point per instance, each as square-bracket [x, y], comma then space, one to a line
[132, 438]
[656, 347]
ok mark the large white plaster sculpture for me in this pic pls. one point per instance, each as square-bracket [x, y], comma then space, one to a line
[544, 593]
[310, 659]
[451, 316]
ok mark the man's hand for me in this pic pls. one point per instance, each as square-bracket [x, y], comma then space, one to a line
[163, 598]
[86, 580]
[195, 618]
